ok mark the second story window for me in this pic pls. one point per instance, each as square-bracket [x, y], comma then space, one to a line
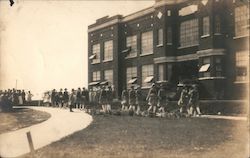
[131, 43]
[169, 35]
[189, 33]
[206, 26]
[204, 69]
[147, 75]
[241, 21]
[108, 50]
[96, 53]
[147, 42]
[217, 25]
[160, 37]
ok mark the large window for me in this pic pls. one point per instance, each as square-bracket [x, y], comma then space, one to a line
[217, 25]
[108, 50]
[96, 53]
[161, 73]
[169, 35]
[241, 21]
[147, 42]
[131, 42]
[96, 76]
[242, 62]
[204, 69]
[218, 66]
[206, 25]
[108, 76]
[160, 37]
[189, 33]
[147, 71]
[131, 74]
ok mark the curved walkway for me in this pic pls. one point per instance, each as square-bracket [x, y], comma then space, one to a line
[61, 123]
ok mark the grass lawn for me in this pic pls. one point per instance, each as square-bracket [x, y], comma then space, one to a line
[142, 137]
[20, 118]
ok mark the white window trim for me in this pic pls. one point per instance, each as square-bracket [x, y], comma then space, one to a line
[194, 45]
[159, 45]
[107, 60]
[146, 54]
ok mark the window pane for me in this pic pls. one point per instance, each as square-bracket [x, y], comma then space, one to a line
[108, 50]
[131, 42]
[242, 62]
[241, 20]
[189, 33]
[160, 36]
[131, 73]
[169, 35]
[161, 72]
[108, 76]
[96, 76]
[147, 70]
[206, 25]
[147, 42]
[96, 51]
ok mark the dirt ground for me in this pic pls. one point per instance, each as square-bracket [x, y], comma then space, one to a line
[20, 118]
[143, 137]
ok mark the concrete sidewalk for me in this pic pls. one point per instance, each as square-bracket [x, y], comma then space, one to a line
[239, 118]
[61, 123]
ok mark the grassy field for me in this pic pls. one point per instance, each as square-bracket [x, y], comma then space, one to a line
[20, 118]
[142, 137]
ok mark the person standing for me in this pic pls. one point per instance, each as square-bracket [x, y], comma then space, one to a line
[138, 101]
[65, 98]
[84, 97]
[152, 99]
[29, 97]
[23, 96]
[194, 101]
[109, 94]
[132, 99]
[103, 99]
[60, 98]
[162, 98]
[183, 100]
[72, 100]
[124, 99]
[53, 97]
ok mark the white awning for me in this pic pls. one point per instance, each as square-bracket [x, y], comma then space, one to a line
[149, 79]
[104, 83]
[204, 68]
[127, 50]
[133, 80]
[92, 56]
[94, 83]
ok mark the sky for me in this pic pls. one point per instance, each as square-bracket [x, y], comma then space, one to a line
[43, 44]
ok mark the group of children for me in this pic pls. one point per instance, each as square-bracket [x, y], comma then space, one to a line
[189, 100]
[77, 98]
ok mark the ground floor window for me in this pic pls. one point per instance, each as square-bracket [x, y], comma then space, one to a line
[204, 69]
[147, 72]
[108, 76]
[131, 74]
[242, 62]
[218, 66]
[161, 74]
[96, 76]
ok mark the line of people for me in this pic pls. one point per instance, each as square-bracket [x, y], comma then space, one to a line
[63, 99]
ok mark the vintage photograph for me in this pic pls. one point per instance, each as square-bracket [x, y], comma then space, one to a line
[124, 79]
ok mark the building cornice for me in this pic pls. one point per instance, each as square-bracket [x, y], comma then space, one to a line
[106, 24]
[138, 14]
[168, 2]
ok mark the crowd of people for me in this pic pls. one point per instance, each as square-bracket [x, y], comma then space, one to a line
[133, 101]
[11, 97]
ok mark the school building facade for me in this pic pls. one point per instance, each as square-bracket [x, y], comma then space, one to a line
[174, 40]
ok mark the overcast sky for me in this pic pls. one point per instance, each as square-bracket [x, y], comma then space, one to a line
[43, 44]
